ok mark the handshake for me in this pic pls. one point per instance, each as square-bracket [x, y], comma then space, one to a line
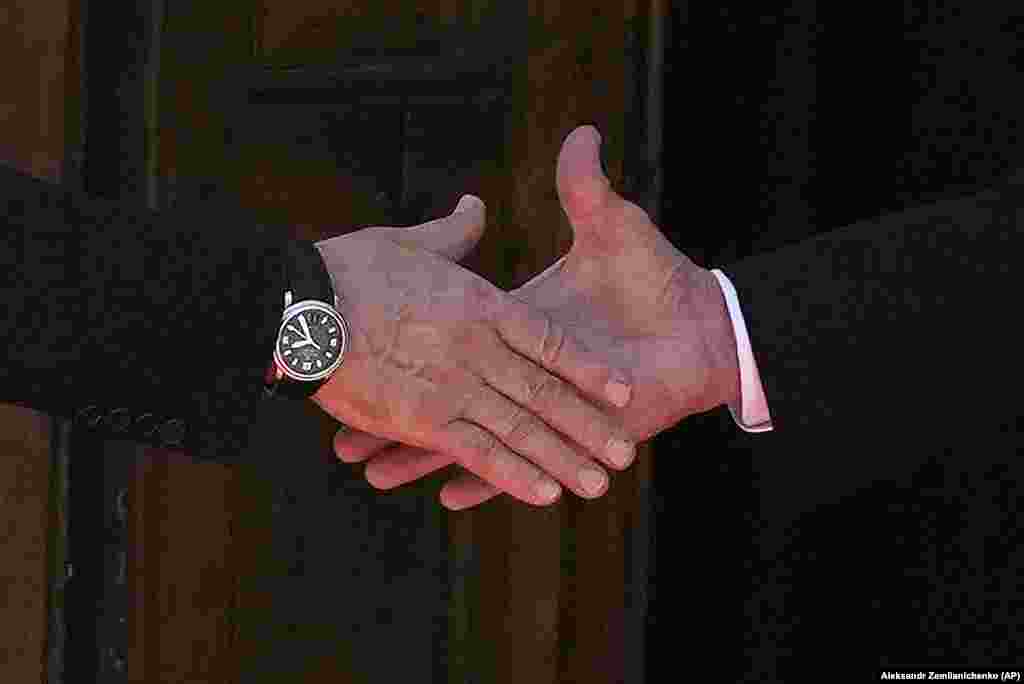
[533, 389]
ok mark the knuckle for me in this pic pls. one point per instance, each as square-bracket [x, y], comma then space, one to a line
[520, 426]
[486, 299]
[552, 343]
[593, 429]
[542, 389]
[483, 444]
[494, 460]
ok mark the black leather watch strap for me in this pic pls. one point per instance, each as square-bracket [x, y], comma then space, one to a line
[306, 274]
[307, 277]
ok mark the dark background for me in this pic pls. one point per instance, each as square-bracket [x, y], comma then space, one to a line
[784, 120]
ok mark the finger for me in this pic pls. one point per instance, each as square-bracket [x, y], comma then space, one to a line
[478, 450]
[551, 399]
[403, 464]
[452, 236]
[583, 189]
[529, 436]
[355, 446]
[538, 337]
[466, 490]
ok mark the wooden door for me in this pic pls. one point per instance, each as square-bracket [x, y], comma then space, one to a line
[323, 117]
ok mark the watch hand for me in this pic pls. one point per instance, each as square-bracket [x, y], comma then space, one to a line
[305, 327]
[293, 329]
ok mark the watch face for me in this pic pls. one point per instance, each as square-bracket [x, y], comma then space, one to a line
[312, 341]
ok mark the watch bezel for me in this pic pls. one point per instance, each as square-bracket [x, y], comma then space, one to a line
[311, 305]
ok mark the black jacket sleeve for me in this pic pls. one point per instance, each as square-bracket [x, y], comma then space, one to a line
[896, 328]
[148, 326]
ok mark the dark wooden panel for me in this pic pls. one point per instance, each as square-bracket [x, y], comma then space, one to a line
[185, 576]
[551, 593]
[316, 31]
[309, 164]
[34, 36]
[38, 121]
[24, 485]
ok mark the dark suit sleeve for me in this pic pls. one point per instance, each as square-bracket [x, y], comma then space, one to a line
[896, 326]
[154, 327]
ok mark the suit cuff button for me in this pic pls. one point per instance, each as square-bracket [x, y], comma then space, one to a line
[145, 426]
[172, 433]
[90, 416]
[119, 420]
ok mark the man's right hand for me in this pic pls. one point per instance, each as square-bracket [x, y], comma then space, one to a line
[443, 360]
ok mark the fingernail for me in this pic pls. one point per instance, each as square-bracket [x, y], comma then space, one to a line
[597, 132]
[592, 481]
[450, 506]
[547, 490]
[617, 392]
[466, 203]
[620, 452]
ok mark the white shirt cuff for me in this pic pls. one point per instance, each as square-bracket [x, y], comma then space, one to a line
[754, 415]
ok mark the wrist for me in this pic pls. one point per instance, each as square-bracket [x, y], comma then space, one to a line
[308, 290]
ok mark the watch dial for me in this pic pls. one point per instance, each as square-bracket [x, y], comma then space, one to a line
[311, 342]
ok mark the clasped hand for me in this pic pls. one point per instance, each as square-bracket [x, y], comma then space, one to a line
[442, 360]
[630, 296]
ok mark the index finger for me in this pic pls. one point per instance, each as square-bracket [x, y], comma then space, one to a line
[534, 334]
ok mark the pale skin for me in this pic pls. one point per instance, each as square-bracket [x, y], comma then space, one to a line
[442, 360]
[630, 296]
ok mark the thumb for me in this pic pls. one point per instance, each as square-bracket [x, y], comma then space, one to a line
[602, 220]
[583, 189]
[452, 236]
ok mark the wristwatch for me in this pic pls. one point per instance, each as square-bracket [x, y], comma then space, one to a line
[313, 335]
